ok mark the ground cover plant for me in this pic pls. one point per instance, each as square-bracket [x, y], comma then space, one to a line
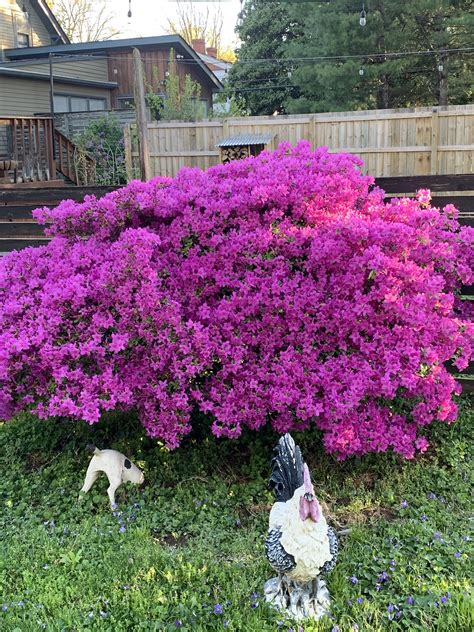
[185, 552]
[279, 290]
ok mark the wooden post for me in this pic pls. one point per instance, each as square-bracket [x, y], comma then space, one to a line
[140, 111]
[434, 142]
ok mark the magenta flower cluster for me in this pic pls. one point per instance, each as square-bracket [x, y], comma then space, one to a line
[275, 290]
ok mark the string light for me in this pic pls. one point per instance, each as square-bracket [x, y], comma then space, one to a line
[240, 16]
[26, 15]
[129, 14]
[363, 16]
[440, 66]
[361, 71]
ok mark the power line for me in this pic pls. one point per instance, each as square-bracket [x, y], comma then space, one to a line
[65, 57]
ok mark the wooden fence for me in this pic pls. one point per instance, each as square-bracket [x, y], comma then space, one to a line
[408, 142]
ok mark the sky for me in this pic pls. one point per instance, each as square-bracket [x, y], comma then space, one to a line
[149, 17]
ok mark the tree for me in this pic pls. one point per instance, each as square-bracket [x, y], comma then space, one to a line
[373, 77]
[265, 29]
[85, 20]
[193, 23]
[181, 100]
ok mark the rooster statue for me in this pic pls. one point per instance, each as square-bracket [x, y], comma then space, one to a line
[300, 545]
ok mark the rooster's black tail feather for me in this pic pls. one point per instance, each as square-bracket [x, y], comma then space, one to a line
[287, 469]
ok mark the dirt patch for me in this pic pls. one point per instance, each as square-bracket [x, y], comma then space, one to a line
[170, 539]
[364, 516]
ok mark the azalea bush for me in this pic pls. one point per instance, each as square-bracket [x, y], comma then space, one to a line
[276, 290]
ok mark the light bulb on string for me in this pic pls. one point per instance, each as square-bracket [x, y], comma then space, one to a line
[440, 67]
[363, 16]
[26, 15]
[361, 71]
[129, 14]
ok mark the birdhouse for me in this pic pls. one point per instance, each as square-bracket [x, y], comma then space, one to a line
[242, 146]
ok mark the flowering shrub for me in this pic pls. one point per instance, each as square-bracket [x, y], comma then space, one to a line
[103, 140]
[277, 289]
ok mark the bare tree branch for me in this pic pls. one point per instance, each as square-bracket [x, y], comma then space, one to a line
[85, 20]
[194, 23]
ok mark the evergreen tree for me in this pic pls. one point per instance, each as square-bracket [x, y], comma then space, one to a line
[265, 30]
[373, 78]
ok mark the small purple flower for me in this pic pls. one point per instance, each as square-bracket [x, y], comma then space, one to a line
[436, 535]
[226, 623]
[126, 587]
[436, 604]
[383, 577]
[103, 614]
[444, 599]
[404, 504]
[4, 607]
[398, 614]
[360, 600]
[355, 626]
[238, 524]
[349, 603]
[254, 596]
[254, 605]
[393, 564]
[378, 587]
[178, 623]
[336, 628]
[457, 554]
[466, 538]
[354, 580]
[424, 518]
[431, 496]
[390, 607]
[218, 609]
[122, 529]
[410, 601]
[20, 603]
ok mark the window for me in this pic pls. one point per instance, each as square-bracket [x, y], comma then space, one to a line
[79, 104]
[23, 40]
[61, 103]
[126, 103]
[73, 103]
[202, 107]
[96, 104]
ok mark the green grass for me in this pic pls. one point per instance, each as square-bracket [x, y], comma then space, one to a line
[194, 533]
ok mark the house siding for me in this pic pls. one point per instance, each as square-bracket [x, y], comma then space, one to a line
[11, 10]
[155, 65]
[26, 97]
[95, 70]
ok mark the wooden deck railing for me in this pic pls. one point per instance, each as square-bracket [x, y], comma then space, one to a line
[28, 143]
[71, 162]
[32, 150]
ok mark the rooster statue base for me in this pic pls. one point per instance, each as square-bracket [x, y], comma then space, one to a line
[300, 545]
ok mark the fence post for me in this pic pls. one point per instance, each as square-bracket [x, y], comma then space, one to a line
[434, 141]
[140, 109]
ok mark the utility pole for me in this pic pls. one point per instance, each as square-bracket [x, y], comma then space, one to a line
[140, 111]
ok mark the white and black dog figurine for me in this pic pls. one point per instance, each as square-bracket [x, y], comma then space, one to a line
[118, 469]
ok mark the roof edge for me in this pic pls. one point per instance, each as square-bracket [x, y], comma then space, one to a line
[43, 8]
